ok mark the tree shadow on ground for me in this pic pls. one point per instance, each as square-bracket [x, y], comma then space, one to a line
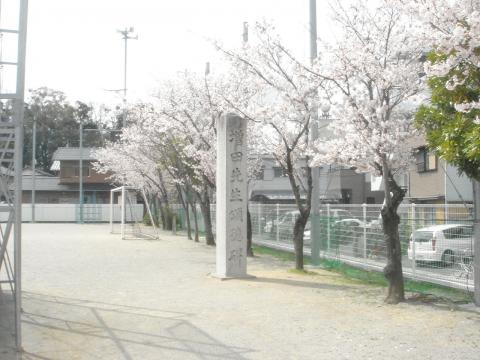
[301, 283]
[444, 304]
[7, 327]
[63, 328]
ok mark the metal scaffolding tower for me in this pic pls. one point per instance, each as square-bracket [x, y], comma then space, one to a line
[13, 26]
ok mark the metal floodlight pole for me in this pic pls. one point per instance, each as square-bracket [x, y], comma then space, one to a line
[18, 162]
[122, 216]
[127, 34]
[315, 251]
[34, 149]
[111, 211]
[80, 176]
[476, 241]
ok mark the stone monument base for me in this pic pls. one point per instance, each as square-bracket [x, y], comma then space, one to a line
[239, 277]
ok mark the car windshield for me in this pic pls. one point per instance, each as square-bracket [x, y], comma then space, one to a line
[341, 214]
[423, 236]
[458, 232]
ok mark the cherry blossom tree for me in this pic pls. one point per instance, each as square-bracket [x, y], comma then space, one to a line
[452, 29]
[373, 70]
[176, 136]
[189, 111]
[281, 93]
[132, 161]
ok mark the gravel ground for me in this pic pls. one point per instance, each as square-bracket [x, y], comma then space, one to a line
[90, 295]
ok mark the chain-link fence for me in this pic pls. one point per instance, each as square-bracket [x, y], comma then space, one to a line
[437, 240]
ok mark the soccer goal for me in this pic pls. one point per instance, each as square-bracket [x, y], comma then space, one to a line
[127, 214]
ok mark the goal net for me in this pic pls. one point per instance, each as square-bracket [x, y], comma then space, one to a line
[130, 214]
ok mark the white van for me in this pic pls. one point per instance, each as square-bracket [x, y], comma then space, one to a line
[449, 244]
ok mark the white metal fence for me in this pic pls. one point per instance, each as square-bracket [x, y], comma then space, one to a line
[437, 240]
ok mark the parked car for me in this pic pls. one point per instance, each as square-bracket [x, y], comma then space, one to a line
[446, 243]
[284, 223]
[348, 223]
[287, 220]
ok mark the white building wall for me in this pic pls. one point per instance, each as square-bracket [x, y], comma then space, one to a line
[69, 213]
[458, 187]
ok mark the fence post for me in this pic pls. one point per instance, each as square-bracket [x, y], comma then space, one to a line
[278, 218]
[259, 217]
[413, 225]
[174, 224]
[364, 208]
[328, 227]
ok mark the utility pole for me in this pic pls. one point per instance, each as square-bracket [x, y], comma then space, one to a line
[127, 34]
[207, 68]
[245, 32]
[476, 241]
[34, 149]
[314, 217]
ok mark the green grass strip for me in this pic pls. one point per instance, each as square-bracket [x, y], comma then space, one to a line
[370, 277]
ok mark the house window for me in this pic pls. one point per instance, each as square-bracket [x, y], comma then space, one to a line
[74, 170]
[278, 171]
[425, 160]
[68, 171]
[346, 196]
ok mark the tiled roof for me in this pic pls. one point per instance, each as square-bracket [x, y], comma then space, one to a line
[27, 171]
[45, 183]
[73, 153]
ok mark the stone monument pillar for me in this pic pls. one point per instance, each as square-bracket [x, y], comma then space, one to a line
[231, 224]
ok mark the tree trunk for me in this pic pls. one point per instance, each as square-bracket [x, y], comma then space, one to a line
[207, 219]
[298, 231]
[184, 202]
[303, 208]
[195, 219]
[189, 225]
[390, 220]
[393, 269]
[155, 211]
[163, 216]
[168, 217]
[249, 234]
[165, 205]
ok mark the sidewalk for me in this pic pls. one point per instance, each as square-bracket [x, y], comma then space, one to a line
[90, 295]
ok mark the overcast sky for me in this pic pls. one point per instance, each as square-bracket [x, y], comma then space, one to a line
[73, 46]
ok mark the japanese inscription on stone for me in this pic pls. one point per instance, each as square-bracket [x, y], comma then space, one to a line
[231, 196]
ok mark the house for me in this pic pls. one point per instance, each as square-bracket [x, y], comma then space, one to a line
[48, 189]
[62, 187]
[57, 194]
[434, 181]
[337, 184]
[66, 164]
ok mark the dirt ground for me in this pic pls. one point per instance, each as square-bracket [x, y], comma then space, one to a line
[90, 295]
